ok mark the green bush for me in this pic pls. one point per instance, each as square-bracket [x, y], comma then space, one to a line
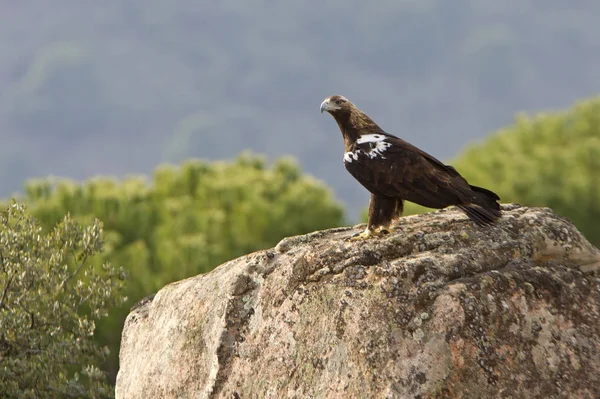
[549, 159]
[188, 220]
[50, 298]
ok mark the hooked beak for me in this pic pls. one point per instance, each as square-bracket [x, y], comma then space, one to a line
[325, 105]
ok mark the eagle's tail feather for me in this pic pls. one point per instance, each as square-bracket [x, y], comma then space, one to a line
[480, 215]
[489, 194]
[484, 209]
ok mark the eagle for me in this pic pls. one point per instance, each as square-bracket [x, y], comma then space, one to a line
[393, 170]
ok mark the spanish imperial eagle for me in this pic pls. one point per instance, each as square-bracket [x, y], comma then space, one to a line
[394, 170]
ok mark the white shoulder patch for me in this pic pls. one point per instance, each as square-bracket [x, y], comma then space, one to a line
[377, 143]
[377, 146]
[370, 138]
[350, 156]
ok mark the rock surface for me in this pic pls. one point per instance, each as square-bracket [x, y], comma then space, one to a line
[437, 308]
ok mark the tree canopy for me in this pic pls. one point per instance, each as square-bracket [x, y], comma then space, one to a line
[50, 298]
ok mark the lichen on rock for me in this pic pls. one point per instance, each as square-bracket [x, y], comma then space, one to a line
[438, 308]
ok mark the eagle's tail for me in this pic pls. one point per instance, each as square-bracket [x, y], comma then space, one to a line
[485, 210]
[487, 193]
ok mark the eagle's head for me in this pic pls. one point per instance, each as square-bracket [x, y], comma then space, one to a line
[336, 105]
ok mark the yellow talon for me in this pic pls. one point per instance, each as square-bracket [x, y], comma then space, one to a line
[362, 236]
[365, 235]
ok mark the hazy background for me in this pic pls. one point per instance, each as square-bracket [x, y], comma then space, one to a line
[117, 87]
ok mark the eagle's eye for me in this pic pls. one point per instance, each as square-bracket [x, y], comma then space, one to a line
[338, 102]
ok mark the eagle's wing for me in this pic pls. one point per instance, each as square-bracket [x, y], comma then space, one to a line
[390, 166]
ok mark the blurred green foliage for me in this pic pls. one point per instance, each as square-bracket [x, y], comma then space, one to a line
[50, 298]
[188, 220]
[549, 159]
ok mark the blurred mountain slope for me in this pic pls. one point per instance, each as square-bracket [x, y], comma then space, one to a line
[117, 87]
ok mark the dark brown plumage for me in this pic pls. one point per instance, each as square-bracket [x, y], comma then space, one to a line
[394, 170]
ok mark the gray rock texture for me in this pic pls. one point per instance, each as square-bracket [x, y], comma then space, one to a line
[438, 308]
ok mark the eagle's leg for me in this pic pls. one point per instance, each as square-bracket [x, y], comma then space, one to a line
[397, 212]
[382, 210]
